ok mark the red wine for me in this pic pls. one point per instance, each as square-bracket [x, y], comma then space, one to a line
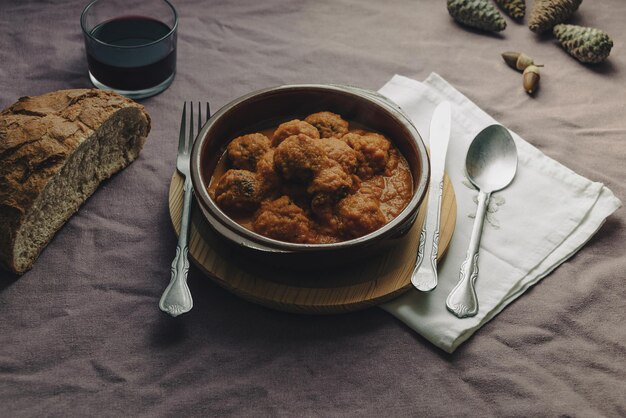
[113, 61]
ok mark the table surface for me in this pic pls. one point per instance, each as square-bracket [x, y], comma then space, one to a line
[81, 333]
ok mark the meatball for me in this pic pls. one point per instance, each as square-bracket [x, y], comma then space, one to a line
[331, 180]
[269, 181]
[324, 210]
[328, 186]
[283, 220]
[299, 157]
[341, 152]
[238, 191]
[326, 224]
[358, 215]
[328, 124]
[392, 163]
[245, 151]
[293, 127]
[372, 152]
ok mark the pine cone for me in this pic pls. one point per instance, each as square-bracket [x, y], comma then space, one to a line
[479, 14]
[514, 8]
[547, 13]
[588, 45]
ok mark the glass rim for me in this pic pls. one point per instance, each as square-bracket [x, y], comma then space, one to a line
[87, 33]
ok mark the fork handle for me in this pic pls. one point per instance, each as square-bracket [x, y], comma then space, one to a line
[177, 299]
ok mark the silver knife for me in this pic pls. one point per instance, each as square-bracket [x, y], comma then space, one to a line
[424, 275]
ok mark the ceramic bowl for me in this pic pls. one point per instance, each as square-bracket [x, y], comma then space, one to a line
[269, 107]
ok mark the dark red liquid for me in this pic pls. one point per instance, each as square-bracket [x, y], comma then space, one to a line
[131, 69]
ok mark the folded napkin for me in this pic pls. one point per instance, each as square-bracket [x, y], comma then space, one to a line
[545, 215]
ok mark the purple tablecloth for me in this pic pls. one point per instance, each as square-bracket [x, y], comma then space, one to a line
[81, 334]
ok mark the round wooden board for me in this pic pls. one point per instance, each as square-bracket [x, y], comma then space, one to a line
[356, 286]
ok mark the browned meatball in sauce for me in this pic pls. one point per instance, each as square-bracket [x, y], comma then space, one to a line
[293, 127]
[314, 182]
[341, 152]
[331, 180]
[238, 191]
[269, 180]
[305, 159]
[245, 151]
[283, 220]
[328, 186]
[358, 215]
[299, 157]
[372, 152]
[328, 124]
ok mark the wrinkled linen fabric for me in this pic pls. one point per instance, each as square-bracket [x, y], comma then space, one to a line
[531, 227]
[81, 334]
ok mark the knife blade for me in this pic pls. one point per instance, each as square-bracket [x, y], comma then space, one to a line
[424, 276]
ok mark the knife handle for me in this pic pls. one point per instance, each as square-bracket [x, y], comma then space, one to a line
[462, 300]
[424, 277]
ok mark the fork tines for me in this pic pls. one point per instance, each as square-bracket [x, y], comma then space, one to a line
[186, 142]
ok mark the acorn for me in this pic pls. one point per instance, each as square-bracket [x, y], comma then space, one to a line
[531, 78]
[518, 60]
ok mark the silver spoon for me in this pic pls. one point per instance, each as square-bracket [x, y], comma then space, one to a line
[491, 164]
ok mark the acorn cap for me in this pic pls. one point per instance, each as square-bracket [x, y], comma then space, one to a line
[523, 61]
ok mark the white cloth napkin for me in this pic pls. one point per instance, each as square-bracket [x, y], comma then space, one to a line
[545, 215]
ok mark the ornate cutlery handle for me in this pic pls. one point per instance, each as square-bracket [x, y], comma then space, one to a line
[462, 300]
[177, 298]
[424, 277]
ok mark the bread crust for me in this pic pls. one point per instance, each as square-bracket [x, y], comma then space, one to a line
[37, 136]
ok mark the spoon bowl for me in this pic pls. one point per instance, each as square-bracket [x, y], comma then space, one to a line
[491, 160]
[491, 164]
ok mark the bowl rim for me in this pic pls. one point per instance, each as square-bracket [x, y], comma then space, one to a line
[261, 242]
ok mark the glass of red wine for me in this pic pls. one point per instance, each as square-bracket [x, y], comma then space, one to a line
[130, 45]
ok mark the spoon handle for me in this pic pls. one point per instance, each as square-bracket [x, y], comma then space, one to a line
[462, 300]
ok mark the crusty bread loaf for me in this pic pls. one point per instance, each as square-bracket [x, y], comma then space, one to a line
[55, 149]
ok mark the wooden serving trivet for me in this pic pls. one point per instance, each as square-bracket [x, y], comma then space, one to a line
[349, 288]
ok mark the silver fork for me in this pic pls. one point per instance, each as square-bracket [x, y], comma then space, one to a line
[176, 298]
